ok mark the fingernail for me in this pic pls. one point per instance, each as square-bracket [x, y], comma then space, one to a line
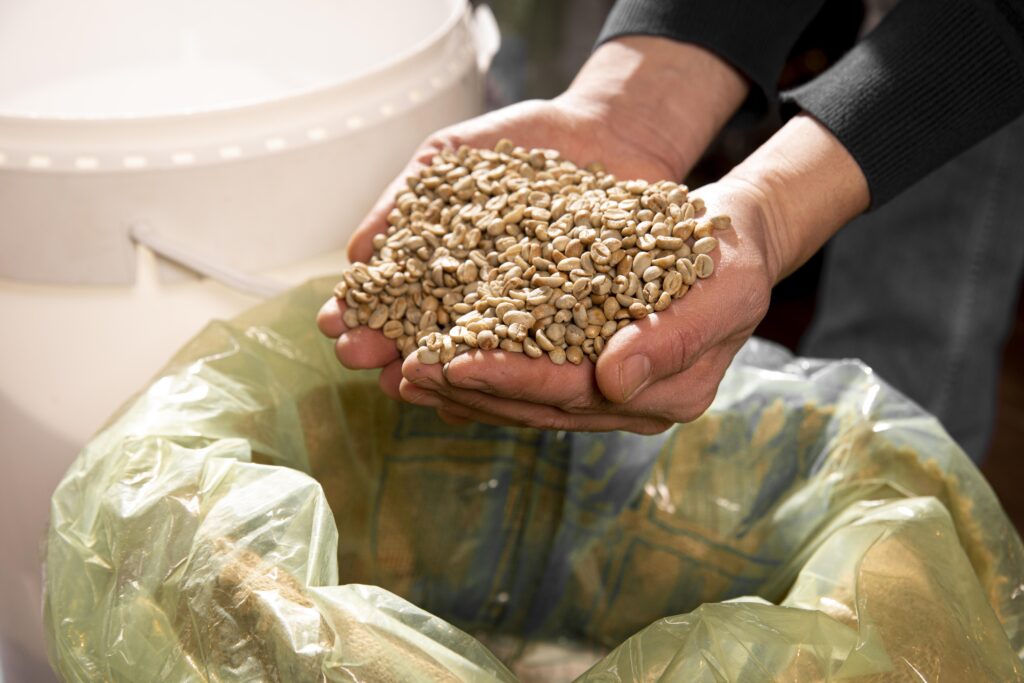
[634, 373]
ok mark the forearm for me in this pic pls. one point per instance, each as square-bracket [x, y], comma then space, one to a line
[754, 37]
[933, 79]
[809, 187]
[672, 98]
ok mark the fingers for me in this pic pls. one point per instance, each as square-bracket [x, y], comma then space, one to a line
[427, 385]
[481, 407]
[390, 378]
[329, 320]
[570, 388]
[363, 348]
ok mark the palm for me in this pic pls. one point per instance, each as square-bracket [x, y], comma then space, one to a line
[692, 342]
[574, 128]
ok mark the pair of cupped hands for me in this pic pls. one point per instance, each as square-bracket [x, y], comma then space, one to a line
[653, 373]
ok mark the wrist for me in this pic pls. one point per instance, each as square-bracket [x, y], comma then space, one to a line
[808, 185]
[667, 97]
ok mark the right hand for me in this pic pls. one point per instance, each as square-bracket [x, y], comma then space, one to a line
[653, 373]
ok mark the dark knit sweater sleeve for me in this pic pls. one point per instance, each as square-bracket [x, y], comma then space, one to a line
[755, 36]
[935, 77]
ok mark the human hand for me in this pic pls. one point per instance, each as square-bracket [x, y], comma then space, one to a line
[620, 111]
[652, 373]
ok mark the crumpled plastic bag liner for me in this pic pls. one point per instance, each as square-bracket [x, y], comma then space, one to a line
[258, 513]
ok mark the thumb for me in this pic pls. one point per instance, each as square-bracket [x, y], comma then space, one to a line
[661, 345]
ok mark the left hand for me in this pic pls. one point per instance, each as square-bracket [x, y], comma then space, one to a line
[653, 373]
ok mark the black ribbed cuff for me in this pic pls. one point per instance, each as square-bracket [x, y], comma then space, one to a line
[755, 37]
[936, 77]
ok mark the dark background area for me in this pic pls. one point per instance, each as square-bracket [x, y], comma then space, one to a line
[544, 42]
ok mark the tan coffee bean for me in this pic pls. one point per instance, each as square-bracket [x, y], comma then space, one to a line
[663, 301]
[517, 332]
[378, 318]
[582, 288]
[555, 281]
[652, 273]
[721, 222]
[557, 355]
[600, 253]
[531, 348]
[685, 268]
[510, 345]
[428, 319]
[642, 262]
[574, 355]
[665, 262]
[569, 263]
[542, 341]
[705, 245]
[523, 318]
[467, 272]
[579, 315]
[704, 266]
[672, 282]
[520, 249]
[393, 329]
[427, 356]
[486, 340]
[574, 335]
[684, 229]
[447, 349]
[555, 332]
[703, 229]
[610, 307]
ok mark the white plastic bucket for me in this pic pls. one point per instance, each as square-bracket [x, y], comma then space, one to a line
[241, 138]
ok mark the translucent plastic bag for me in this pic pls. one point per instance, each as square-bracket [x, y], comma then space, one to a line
[255, 514]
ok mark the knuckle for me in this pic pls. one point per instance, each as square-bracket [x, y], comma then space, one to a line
[510, 390]
[684, 343]
[695, 407]
[758, 301]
